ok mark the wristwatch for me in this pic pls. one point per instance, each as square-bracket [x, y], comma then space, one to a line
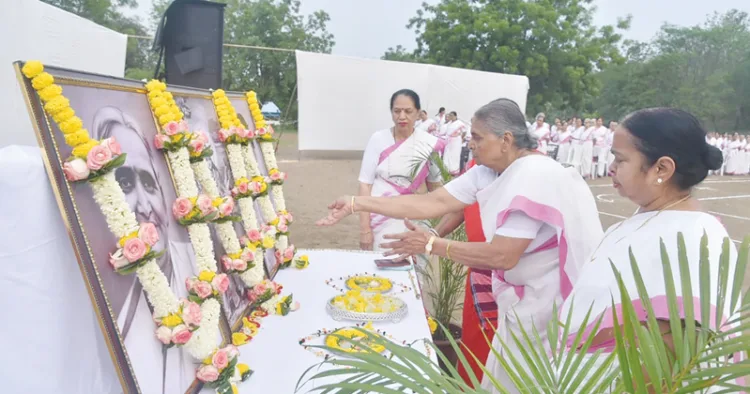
[428, 247]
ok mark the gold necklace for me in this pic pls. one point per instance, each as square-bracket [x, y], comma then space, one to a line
[593, 255]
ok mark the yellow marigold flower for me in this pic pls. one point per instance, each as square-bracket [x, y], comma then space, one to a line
[171, 321]
[432, 324]
[222, 113]
[250, 94]
[218, 93]
[153, 85]
[225, 120]
[154, 94]
[208, 360]
[178, 116]
[63, 115]
[176, 138]
[42, 80]
[274, 222]
[32, 68]
[78, 138]
[236, 122]
[158, 102]
[56, 105]
[161, 110]
[243, 368]
[167, 95]
[206, 276]
[252, 246]
[72, 125]
[166, 118]
[235, 390]
[268, 242]
[217, 201]
[50, 92]
[239, 339]
[81, 151]
[240, 181]
[254, 107]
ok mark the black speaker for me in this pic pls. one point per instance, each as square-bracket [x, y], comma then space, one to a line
[192, 36]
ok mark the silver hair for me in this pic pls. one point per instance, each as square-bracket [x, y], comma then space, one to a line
[504, 115]
[540, 115]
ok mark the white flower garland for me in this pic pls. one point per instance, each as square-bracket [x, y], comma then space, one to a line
[205, 178]
[228, 237]
[247, 210]
[282, 243]
[236, 160]
[251, 165]
[182, 173]
[266, 208]
[269, 155]
[203, 341]
[254, 275]
[277, 195]
[200, 237]
[111, 200]
[156, 287]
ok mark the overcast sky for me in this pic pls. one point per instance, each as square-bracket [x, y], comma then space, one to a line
[366, 28]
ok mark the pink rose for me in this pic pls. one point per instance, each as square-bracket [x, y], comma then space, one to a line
[220, 360]
[276, 176]
[232, 351]
[240, 132]
[289, 253]
[181, 335]
[250, 133]
[203, 289]
[254, 235]
[148, 234]
[197, 146]
[202, 137]
[239, 265]
[134, 249]
[235, 192]
[183, 126]
[257, 187]
[261, 131]
[242, 188]
[159, 141]
[248, 255]
[227, 208]
[191, 314]
[98, 156]
[117, 260]
[226, 261]
[207, 373]
[224, 134]
[76, 170]
[190, 282]
[205, 204]
[113, 146]
[220, 282]
[283, 227]
[244, 240]
[172, 128]
[164, 334]
[181, 207]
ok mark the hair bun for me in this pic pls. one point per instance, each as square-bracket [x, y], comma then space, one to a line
[712, 157]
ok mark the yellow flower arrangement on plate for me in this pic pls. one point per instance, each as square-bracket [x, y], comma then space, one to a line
[372, 284]
[354, 340]
[362, 302]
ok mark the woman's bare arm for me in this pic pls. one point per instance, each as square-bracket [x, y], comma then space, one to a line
[449, 223]
[413, 206]
[502, 253]
[365, 229]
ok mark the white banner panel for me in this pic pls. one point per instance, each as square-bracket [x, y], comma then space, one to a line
[32, 30]
[344, 100]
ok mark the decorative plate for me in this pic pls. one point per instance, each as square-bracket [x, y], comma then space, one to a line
[358, 340]
[370, 284]
[358, 306]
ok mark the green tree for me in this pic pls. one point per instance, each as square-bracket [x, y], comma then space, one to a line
[400, 54]
[554, 43]
[272, 24]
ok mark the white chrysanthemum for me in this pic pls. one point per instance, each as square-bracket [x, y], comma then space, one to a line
[157, 289]
[254, 275]
[277, 194]
[200, 237]
[282, 243]
[203, 341]
[111, 200]
[266, 208]
[182, 173]
[205, 178]
[268, 154]
[247, 211]
[228, 237]
[236, 161]
[251, 165]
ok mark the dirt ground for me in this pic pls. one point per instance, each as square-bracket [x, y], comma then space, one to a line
[313, 184]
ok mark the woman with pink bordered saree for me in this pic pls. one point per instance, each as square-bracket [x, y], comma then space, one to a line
[396, 162]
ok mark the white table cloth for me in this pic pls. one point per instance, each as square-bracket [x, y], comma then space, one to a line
[275, 354]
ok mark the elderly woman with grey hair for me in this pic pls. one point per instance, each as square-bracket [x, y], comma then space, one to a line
[539, 219]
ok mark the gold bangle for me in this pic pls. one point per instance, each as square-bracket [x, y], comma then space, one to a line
[448, 250]
[352, 205]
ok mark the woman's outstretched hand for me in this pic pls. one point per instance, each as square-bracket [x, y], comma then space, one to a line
[339, 209]
[410, 243]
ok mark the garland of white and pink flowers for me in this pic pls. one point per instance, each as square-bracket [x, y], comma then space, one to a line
[281, 219]
[179, 322]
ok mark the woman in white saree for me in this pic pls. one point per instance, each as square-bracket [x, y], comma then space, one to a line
[539, 219]
[734, 156]
[563, 138]
[396, 161]
[660, 154]
[453, 135]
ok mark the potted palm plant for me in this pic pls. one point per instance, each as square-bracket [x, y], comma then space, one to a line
[641, 363]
